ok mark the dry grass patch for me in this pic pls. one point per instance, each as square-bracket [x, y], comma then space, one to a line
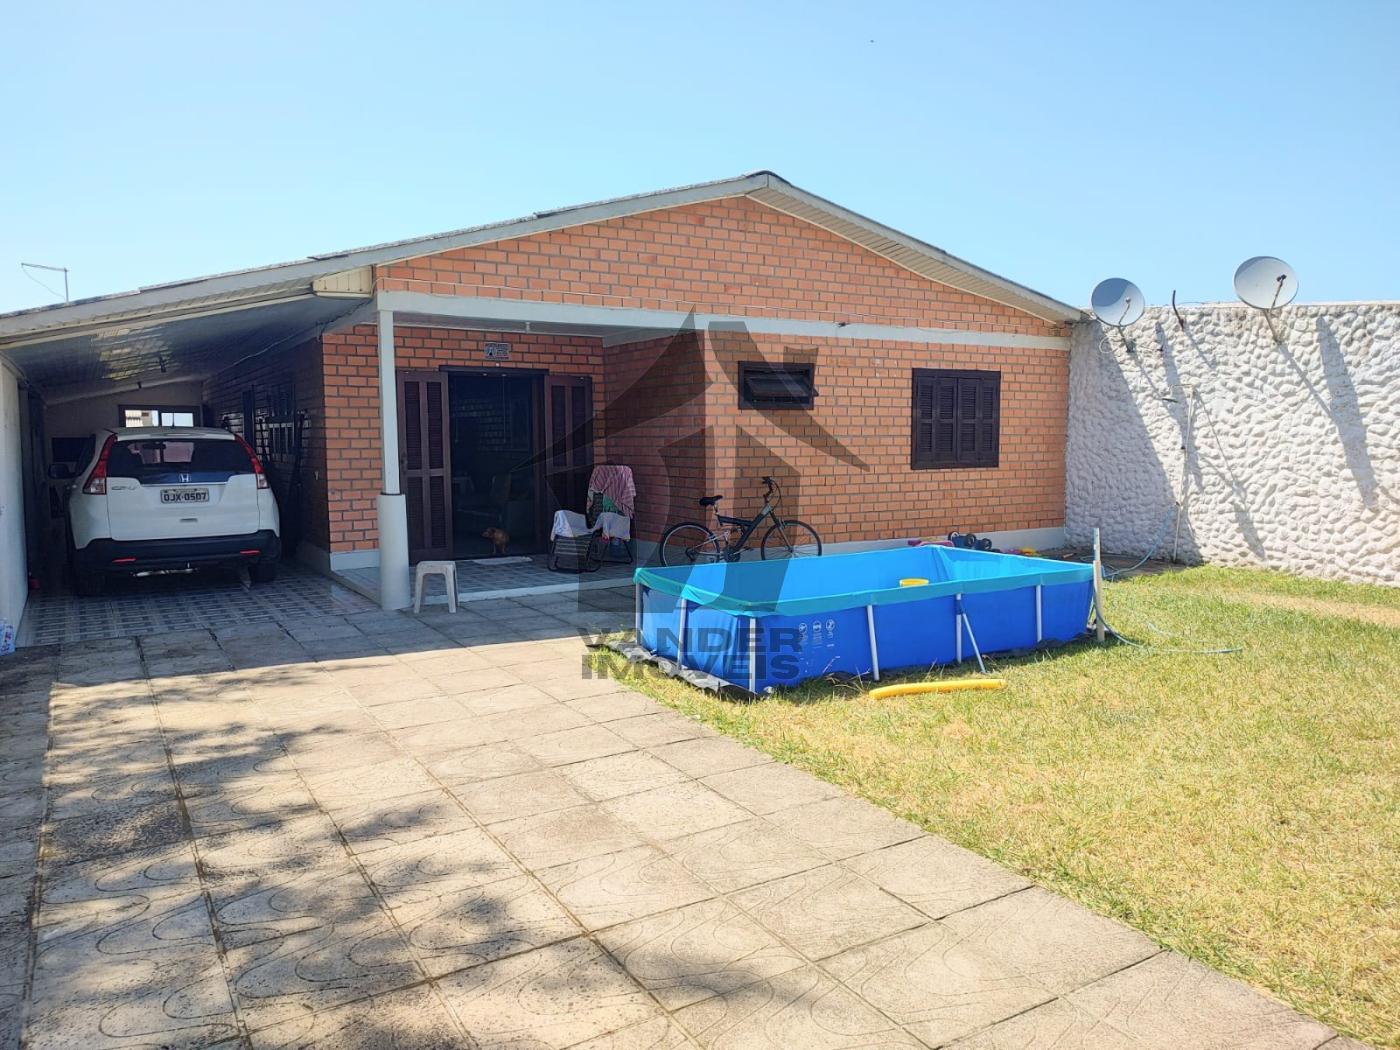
[1243, 809]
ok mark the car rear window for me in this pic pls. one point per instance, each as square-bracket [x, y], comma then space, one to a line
[174, 461]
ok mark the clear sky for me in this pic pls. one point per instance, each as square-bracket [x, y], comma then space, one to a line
[1055, 143]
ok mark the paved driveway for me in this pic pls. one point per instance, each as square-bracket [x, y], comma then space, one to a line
[374, 830]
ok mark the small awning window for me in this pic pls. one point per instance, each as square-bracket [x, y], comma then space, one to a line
[776, 386]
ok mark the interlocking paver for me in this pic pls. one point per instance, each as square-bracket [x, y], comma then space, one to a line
[616, 887]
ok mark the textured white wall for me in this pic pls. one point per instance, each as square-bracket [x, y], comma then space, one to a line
[1293, 457]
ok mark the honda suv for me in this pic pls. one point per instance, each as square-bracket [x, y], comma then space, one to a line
[156, 499]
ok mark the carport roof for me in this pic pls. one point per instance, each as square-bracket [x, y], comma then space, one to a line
[188, 328]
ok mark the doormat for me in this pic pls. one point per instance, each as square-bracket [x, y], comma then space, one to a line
[518, 559]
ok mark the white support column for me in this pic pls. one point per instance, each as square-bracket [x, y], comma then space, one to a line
[393, 511]
[1039, 617]
[957, 626]
[680, 637]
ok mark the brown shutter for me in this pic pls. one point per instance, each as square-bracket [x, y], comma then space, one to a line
[425, 463]
[956, 418]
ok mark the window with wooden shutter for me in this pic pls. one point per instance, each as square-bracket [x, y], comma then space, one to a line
[957, 419]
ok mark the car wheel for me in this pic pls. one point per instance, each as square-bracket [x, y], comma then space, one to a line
[263, 572]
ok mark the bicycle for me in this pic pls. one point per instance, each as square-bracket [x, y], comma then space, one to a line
[692, 543]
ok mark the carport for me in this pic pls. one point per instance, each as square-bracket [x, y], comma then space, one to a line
[68, 369]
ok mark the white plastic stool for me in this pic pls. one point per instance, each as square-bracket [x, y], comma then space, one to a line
[447, 570]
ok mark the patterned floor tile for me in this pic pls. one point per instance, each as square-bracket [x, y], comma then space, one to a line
[411, 1019]
[539, 791]
[826, 910]
[933, 985]
[691, 953]
[604, 778]
[799, 1008]
[1057, 943]
[554, 997]
[935, 876]
[674, 810]
[1169, 1001]
[617, 887]
[735, 856]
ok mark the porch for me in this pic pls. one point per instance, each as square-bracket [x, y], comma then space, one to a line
[481, 579]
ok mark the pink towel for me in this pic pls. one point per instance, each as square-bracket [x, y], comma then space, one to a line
[616, 483]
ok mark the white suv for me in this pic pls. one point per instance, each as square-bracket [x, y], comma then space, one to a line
[162, 498]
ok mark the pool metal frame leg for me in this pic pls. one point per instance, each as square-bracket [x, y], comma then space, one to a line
[680, 637]
[637, 614]
[753, 654]
[874, 648]
[1039, 623]
[957, 627]
[963, 623]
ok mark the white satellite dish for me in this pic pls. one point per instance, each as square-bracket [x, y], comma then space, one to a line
[1267, 284]
[1118, 303]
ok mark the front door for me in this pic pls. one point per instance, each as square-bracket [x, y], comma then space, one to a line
[425, 463]
[568, 439]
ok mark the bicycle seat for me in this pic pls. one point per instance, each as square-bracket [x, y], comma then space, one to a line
[710, 501]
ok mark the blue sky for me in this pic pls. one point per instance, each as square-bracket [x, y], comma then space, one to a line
[1053, 143]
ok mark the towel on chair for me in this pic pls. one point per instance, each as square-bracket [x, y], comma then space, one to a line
[614, 526]
[569, 524]
[616, 483]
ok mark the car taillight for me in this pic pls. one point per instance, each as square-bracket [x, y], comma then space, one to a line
[257, 463]
[96, 483]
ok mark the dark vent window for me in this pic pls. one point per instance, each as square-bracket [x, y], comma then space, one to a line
[957, 419]
[775, 386]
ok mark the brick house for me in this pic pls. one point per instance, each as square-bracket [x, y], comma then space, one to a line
[408, 394]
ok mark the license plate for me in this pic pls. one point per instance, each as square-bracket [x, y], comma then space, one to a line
[184, 495]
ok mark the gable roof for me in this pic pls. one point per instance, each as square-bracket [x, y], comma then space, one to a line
[292, 280]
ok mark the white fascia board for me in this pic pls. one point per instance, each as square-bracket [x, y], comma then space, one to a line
[627, 325]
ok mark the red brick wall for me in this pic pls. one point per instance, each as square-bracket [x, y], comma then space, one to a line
[847, 460]
[732, 256]
[352, 403]
[300, 368]
[844, 464]
[654, 422]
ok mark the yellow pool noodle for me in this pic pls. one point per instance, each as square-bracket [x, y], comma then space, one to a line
[949, 686]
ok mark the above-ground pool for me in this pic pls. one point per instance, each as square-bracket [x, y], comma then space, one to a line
[758, 624]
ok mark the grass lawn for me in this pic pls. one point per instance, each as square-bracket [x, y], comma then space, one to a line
[1242, 809]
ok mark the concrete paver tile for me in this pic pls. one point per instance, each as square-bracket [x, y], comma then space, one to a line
[826, 910]
[768, 787]
[933, 985]
[842, 827]
[555, 997]
[547, 840]
[739, 855]
[574, 745]
[378, 823]
[1049, 939]
[502, 798]
[1169, 1001]
[799, 1008]
[708, 756]
[409, 1019]
[624, 774]
[936, 876]
[691, 953]
[617, 887]
[674, 810]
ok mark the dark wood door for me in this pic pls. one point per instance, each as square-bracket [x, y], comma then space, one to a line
[568, 440]
[425, 463]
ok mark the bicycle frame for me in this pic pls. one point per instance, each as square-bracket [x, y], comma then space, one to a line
[734, 547]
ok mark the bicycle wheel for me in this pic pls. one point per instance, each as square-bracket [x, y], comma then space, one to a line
[791, 539]
[689, 543]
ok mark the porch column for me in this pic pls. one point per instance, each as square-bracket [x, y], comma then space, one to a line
[394, 591]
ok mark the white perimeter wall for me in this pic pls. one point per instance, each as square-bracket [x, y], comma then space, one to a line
[1293, 460]
[14, 574]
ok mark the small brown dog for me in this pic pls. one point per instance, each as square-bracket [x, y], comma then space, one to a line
[500, 539]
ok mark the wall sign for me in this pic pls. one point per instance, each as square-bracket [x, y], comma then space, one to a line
[497, 351]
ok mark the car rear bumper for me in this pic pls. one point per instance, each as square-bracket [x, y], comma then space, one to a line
[183, 553]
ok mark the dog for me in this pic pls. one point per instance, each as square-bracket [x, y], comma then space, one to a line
[500, 539]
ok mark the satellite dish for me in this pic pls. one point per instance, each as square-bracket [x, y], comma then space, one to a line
[1117, 302]
[1266, 284]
